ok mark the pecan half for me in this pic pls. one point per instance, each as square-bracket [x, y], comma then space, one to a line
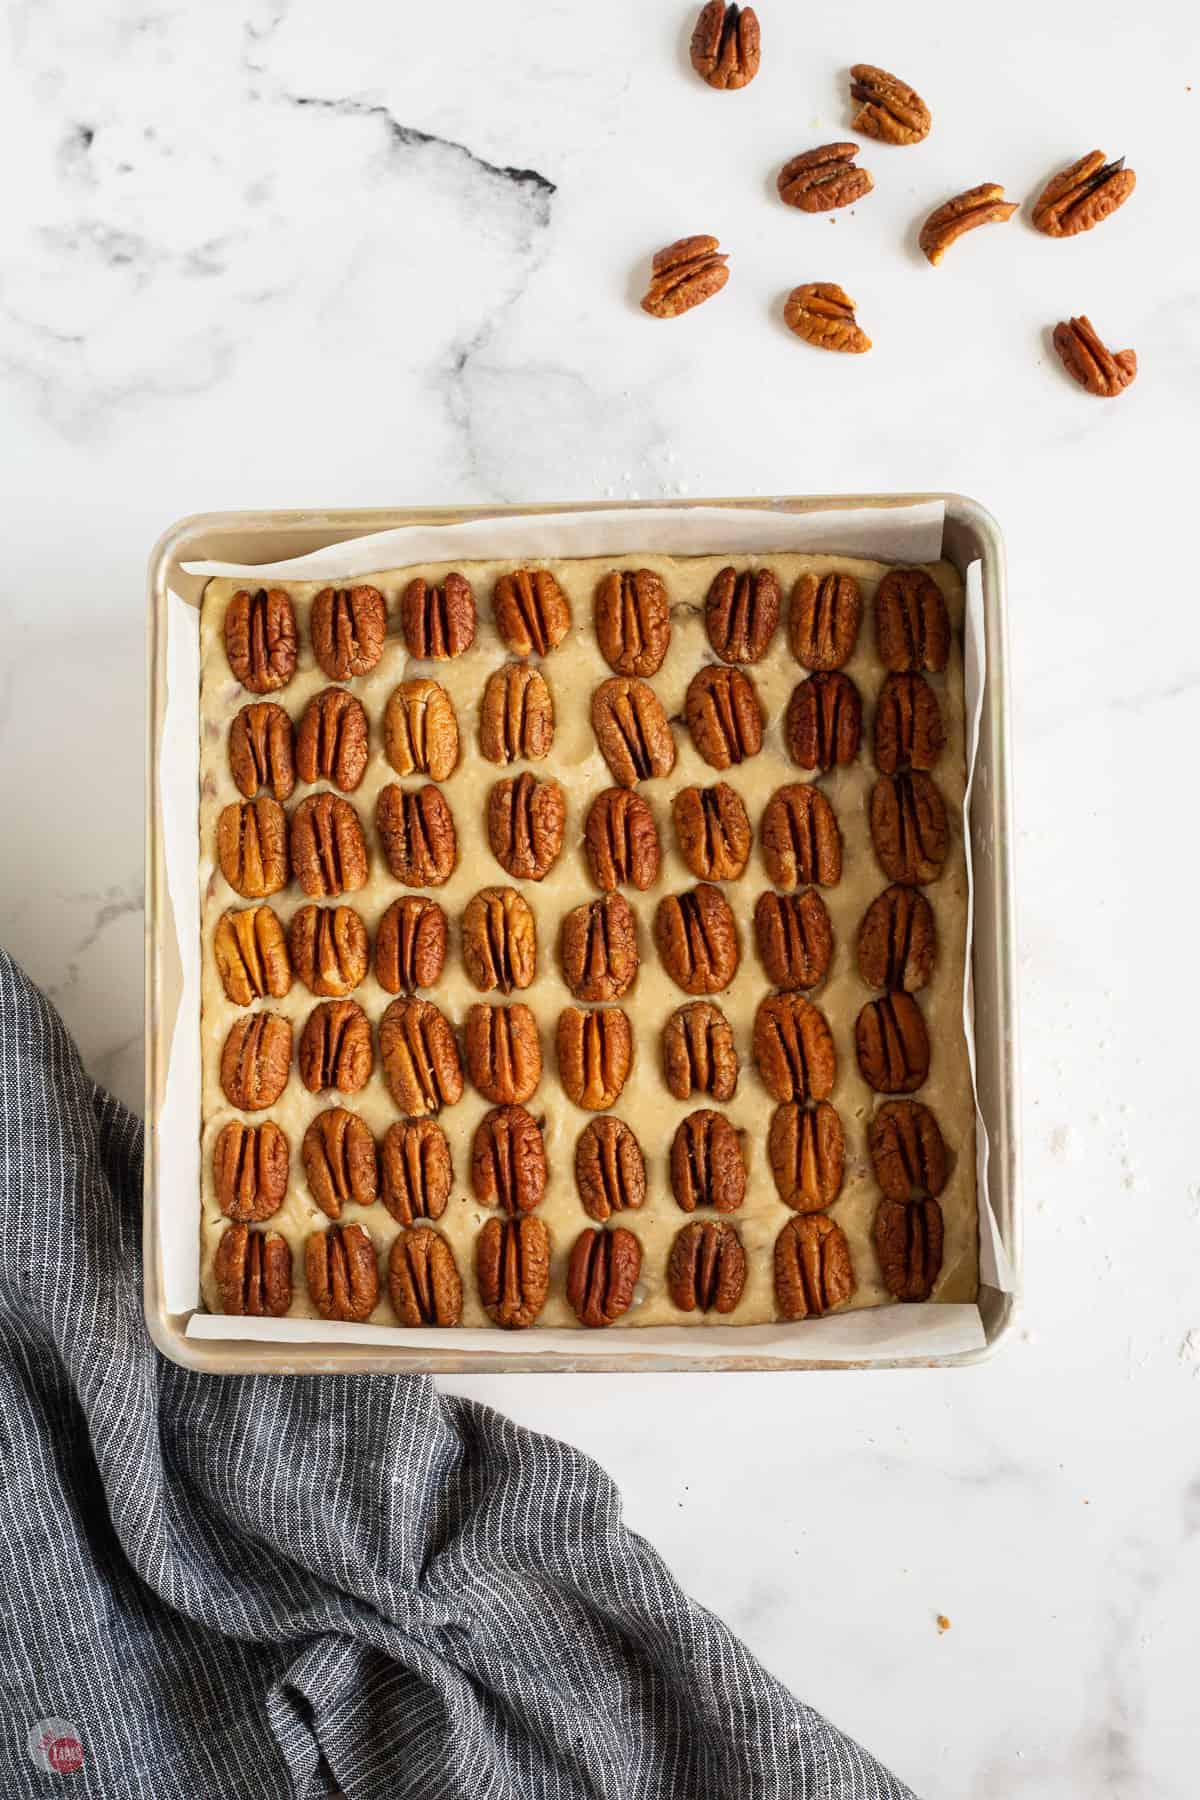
[333, 740]
[683, 275]
[892, 1044]
[908, 827]
[723, 715]
[251, 956]
[508, 1160]
[1079, 197]
[823, 620]
[340, 1161]
[794, 937]
[912, 626]
[420, 1057]
[610, 1170]
[823, 726]
[437, 621]
[697, 939]
[250, 1170]
[416, 1170]
[908, 725]
[504, 1053]
[256, 1060]
[888, 108]
[602, 1273]
[806, 1148]
[908, 1242]
[335, 1048]
[253, 1271]
[698, 1052]
[499, 940]
[822, 313]
[416, 830]
[706, 1163]
[620, 841]
[599, 948]
[712, 830]
[823, 179]
[329, 949]
[982, 205]
[908, 1153]
[1103, 372]
[261, 750]
[531, 611]
[410, 944]
[420, 731]
[594, 1051]
[633, 621]
[813, 1271]
[526, 819]
[706, 1269]
[252, 847]
[897, 940]
[329, 852]
[342, 1273]
[632, 731]
[348, 627]
[512, 1270]
[424, 1285]
[793, 1048]
[800, 839]
[741, 612]
[726, 45]
[516, 719]
[261, 641]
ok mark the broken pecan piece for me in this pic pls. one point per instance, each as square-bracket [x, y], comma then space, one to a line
[632, 731]
[526, 819]
[813, 1271]
[697, 939]
[1079, 197]
[706, 1163]
[251, 956]
[897, 940]
[332, 743]
[683, 275]
[348, 627]
[610, 1171]
[698, 1052]
[504, 1053]
[706, 1269]
[741, 612]
[420, 731]
[342, 1273]
[437, 622]
[250, 1170]
[516, 719]
[823, 726]
[416, 1170]
[335, 1048]
[499, 940]
[261, 750]
[909, 828]
[410, 944]
[822, 313]
[908, 1153]
[908, 1242]
[416, 829]
[424, 1285]
[594, 1051]
[329, 949]
[726, 45]
[793, 1048]
[801, 842]
[261, 641]
[508, 1160]
[531, 611]
[723, 715]
[794, 937]
[329, 852]
[420, 1057]
[252, 847]
[823, 620]
[912, 627]
[602, 1273]
[1103, 372]
[908, 725]
[633, 621]
[340, 1161]
[620, 841]
[256, 1060]
[599, 948]
[892, 1044]
[823, 179]
[712, 830]
[806, 1148]
[982, 205]
[888, 108]
[253, 1271]
[512, 1270]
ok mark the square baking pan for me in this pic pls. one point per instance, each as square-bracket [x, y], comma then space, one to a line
[970, 535]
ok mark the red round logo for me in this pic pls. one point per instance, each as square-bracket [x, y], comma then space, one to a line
[55, 1747]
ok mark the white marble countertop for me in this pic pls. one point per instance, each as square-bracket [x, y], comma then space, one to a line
[278, 256]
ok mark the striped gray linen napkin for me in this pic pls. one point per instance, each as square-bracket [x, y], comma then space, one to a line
[259, 1586]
